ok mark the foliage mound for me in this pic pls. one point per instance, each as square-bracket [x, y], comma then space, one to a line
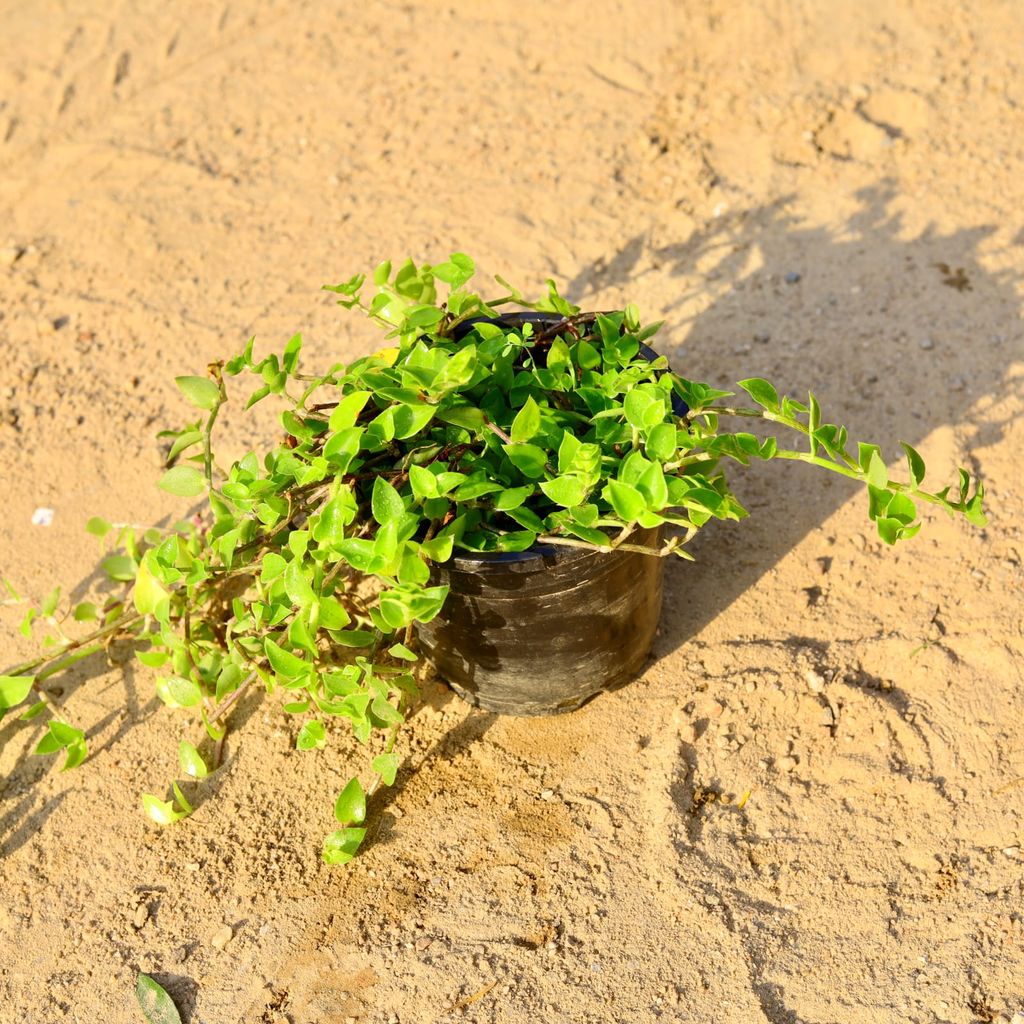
[308, 566]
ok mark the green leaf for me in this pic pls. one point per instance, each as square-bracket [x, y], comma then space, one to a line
[352, 637]
[423, 316]
[157, 1006]
[179, 692]
[763, 393]
[350, 807]
[643, 409]
[423, 482]
[915, 464]
[119, 567]
[567, 491]
[386, 503]
[653, 487]
[149, 597]
[627, 501]
[161, 811]
[49, 604]
[312, 736]
[184, 481]
[661, 442]
[513, 497]
[341, 846]
[527, 458]
[283, 662]
[290, 356]
[180, 798]
[14, 690]
[191, 761]
[272, 567]
[85, 611]
[98, 527]
[458, 371]
[410, 418]
[527, 421]
[202, 393]
[347, 410]
[386, 766]
[458, 269]
[878, 475]
[402, 652]
[297, 587]
[438, 549]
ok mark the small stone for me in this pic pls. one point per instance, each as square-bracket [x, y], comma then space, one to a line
[141, 915]
[221, 937]
[815, 681]
[762, 337]
[61, 322]
[688, 733]
[927, 342]
[792, 277]
[547, 794]
[10, 255]
[715, 711]
[42, 517]
[828, 716]
[786, 764]
[423, 943]
[1011, 851]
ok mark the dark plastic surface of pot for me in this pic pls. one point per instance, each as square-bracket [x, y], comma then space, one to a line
[539, 632]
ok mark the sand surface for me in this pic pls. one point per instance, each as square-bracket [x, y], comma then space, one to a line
[826, 194]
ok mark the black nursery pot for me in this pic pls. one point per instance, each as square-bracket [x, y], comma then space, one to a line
[539, 632]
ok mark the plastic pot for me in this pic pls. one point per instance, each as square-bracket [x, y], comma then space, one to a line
[539, 632]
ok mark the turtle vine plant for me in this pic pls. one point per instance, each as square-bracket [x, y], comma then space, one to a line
[309, 566]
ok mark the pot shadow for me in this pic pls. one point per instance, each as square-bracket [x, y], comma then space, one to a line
[435, 694]
[843, 312]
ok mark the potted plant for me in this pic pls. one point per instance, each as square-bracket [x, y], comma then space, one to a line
[507, 484]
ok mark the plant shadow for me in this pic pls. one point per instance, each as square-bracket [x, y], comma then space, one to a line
[897, 335]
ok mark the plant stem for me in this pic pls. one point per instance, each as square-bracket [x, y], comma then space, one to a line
[125, 622]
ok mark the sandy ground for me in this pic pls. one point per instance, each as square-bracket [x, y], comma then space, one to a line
[827, 194]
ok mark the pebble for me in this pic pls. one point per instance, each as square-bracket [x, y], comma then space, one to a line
[688, 733]
[715, 711]
[42, 517]
[547, 794]
[1011, 851]
[792, 277]
[815, 681]
[786, 764]
[927, 342]
[221, 937]
[141, 915]
[10, 255]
